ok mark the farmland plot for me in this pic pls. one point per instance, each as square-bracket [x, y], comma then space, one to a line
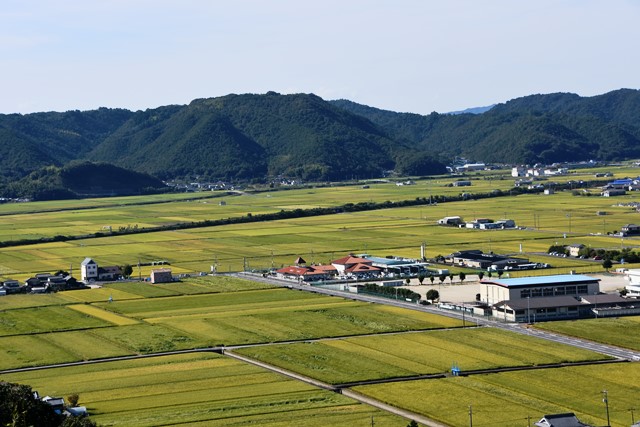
[199, 389]
[45, 319]
[621, 331]
[389, 356]
[507, 399]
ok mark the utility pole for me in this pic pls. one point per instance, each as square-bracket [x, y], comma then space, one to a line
[470, 416]
[372, 422]
[463, 318]
[528, 420]
[633, 419]
[605, 399]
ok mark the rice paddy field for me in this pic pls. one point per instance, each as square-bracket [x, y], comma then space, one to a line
[558, 219]
[508, 399]
[84, 325]
[199, 390]
[330, 339]
[618, 331]
[395, 356]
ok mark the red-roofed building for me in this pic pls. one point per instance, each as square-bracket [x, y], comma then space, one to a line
[353, 266]
[307, 273]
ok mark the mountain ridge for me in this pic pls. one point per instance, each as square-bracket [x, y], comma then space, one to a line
[255, 136]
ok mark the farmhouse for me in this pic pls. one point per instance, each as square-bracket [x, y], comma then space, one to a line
[561, 420]
[463, 183]
[88, 269]
[630, 229]
[566, 296]
[611, 192]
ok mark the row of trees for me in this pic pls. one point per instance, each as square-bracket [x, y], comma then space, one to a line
[624, 254]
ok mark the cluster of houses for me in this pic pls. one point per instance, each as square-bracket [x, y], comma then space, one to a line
[353, 267]
[619, 187]
[41, 283]
[89, 272]
[519, 171]
[478, 223]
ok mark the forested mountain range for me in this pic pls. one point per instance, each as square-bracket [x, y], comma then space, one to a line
[538, 128]
[244, 137]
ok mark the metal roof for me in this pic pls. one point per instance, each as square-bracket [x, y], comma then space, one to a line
[541, 280]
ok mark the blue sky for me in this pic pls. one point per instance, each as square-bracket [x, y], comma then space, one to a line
[403, 55]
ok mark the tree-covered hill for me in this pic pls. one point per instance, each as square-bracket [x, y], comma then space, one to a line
[82, 179]
[537, 128]
[249, 136]
[245, 137]
[31, 141]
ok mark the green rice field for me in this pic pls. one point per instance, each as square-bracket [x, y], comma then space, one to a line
[617, 331]
[391, 356]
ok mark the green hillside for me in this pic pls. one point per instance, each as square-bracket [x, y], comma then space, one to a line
[82, 180]
[537, 128]
[253, 137]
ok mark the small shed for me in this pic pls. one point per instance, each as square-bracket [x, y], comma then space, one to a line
[161, 275]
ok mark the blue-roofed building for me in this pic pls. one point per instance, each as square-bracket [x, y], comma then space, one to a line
[565, 296]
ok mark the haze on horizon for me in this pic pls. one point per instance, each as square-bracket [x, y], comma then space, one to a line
[408, 55]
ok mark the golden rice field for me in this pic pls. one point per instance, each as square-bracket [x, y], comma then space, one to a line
[433, 352]
[212, 390]
[507, 399]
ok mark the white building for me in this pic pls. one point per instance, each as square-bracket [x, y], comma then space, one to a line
[88, 269]
[633, 288]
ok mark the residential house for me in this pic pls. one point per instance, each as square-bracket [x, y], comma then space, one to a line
[109, 273]
[574, 250]
[561, 420]
[518, 171]
[630, 229]
[612, 192]
[88, 270]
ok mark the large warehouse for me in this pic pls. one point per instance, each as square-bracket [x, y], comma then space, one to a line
[567, 296]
